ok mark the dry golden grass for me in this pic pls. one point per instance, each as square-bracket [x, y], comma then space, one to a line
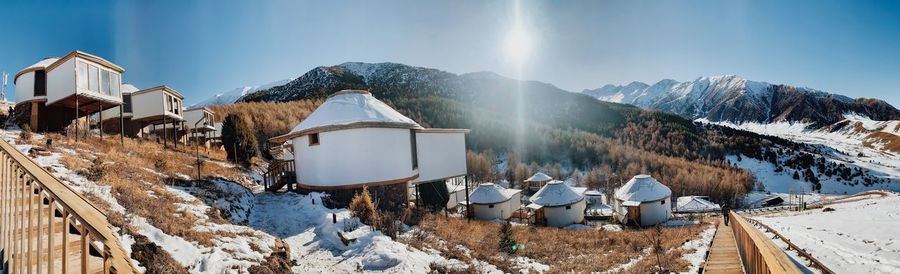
[138, 173]
[580, 251]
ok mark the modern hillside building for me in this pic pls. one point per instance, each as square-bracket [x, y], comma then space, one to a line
[198, 122]
[354, 140]
[55, 91]
[161, 109]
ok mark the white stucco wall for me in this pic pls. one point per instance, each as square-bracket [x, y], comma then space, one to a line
[354, 156]
[147, 104]
[192, 116]
[655, 212]
[559, 216]
[61, 81]
[456, 198]
[25, 87]
[441, 155]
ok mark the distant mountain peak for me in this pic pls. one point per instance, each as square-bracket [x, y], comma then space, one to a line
[735, 99]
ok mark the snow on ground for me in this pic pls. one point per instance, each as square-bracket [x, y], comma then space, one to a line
[858, 237]
[227, 254]
[306, 226]
[700, 246]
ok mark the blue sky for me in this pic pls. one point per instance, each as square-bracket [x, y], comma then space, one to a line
[205, 47]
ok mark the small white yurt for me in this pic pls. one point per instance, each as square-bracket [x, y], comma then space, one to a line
[643, 201]
[557, 204]
[537, 180]
[695, 204]
[491, 201]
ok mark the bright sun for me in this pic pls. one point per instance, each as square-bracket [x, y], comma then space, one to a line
[518, 45]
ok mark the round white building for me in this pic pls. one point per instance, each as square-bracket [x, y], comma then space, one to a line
[490, 201]
[643, 201]
[353, 140]
[557, 204]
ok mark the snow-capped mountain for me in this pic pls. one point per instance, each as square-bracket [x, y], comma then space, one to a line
[233, 95]
[734, 99]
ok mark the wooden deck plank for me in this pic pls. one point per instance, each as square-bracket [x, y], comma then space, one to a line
[723, 253]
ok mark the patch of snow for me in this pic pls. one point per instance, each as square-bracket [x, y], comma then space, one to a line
[700, 246]
[857, 237]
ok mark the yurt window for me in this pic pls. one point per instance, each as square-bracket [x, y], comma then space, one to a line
[104, 82]
[313, 139]
[40, 83]
[490, 206]
[662, 202]
[82, 77]
[415, 156]
[126, 102]
[93, 78]
[568, 207]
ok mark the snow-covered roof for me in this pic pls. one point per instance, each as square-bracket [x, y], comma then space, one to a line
[643, 188]
[539, 177]
[352, 108]
[129, 88]
[490, 193]
[42, 64]
[556, 193]
[695, 204]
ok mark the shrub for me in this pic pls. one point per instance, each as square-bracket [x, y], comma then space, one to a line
[25, 135]
[238, 139]
[154, 258]
[363, 208]
[434, 195]
[506, 238]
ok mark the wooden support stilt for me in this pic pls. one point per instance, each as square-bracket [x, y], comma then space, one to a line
[76, 117]
[100, 105]
[122, 126]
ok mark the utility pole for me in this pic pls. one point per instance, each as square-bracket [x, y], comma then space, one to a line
[197, 145]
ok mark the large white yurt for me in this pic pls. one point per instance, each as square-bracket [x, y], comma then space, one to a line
[643, 201]
[353, 140]
[557, 204]
[491, 201]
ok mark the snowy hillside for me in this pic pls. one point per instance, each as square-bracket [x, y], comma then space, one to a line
[853, 237]
[233, 95]
[869, 148]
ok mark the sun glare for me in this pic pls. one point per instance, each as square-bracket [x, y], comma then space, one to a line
[518, 45]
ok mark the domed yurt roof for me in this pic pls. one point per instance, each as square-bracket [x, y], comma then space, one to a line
[351, 109]
[643, 188]
[129, 88]
[490, 193]
[42, 64]
[539, 177]
[556, 193]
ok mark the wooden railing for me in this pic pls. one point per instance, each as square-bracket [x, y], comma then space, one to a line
[812, 260]
[758, 253]
[46, 227]
[280, 172]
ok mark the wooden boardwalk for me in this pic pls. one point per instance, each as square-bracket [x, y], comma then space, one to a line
[723, 254]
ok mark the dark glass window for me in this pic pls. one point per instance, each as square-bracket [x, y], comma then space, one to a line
[568, 207]
[40, 83]
[126, 102]
[313, 139]
[415, 154]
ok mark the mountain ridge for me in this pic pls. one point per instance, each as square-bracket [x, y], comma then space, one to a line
[734, 99]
